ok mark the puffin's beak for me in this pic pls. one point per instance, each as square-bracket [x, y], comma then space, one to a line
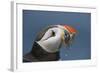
[69, 33]
[70, 29]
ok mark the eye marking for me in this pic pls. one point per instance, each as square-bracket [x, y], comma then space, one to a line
[53, 33]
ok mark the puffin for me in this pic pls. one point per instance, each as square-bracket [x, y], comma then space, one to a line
[48, 42]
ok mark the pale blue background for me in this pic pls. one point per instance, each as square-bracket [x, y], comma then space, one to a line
[34, 21]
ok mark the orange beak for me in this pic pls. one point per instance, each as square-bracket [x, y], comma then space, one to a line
[70, 29]
[69, 34]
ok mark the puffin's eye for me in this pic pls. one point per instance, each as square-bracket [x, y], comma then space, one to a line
[53, 33]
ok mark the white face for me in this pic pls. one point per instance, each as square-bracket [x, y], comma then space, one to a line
[52, 39]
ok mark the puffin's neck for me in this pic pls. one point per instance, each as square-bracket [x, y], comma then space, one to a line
[42, 55]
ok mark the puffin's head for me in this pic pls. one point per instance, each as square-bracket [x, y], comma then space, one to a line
[67, 34]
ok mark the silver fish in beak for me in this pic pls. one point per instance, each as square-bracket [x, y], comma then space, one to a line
[68, 34]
